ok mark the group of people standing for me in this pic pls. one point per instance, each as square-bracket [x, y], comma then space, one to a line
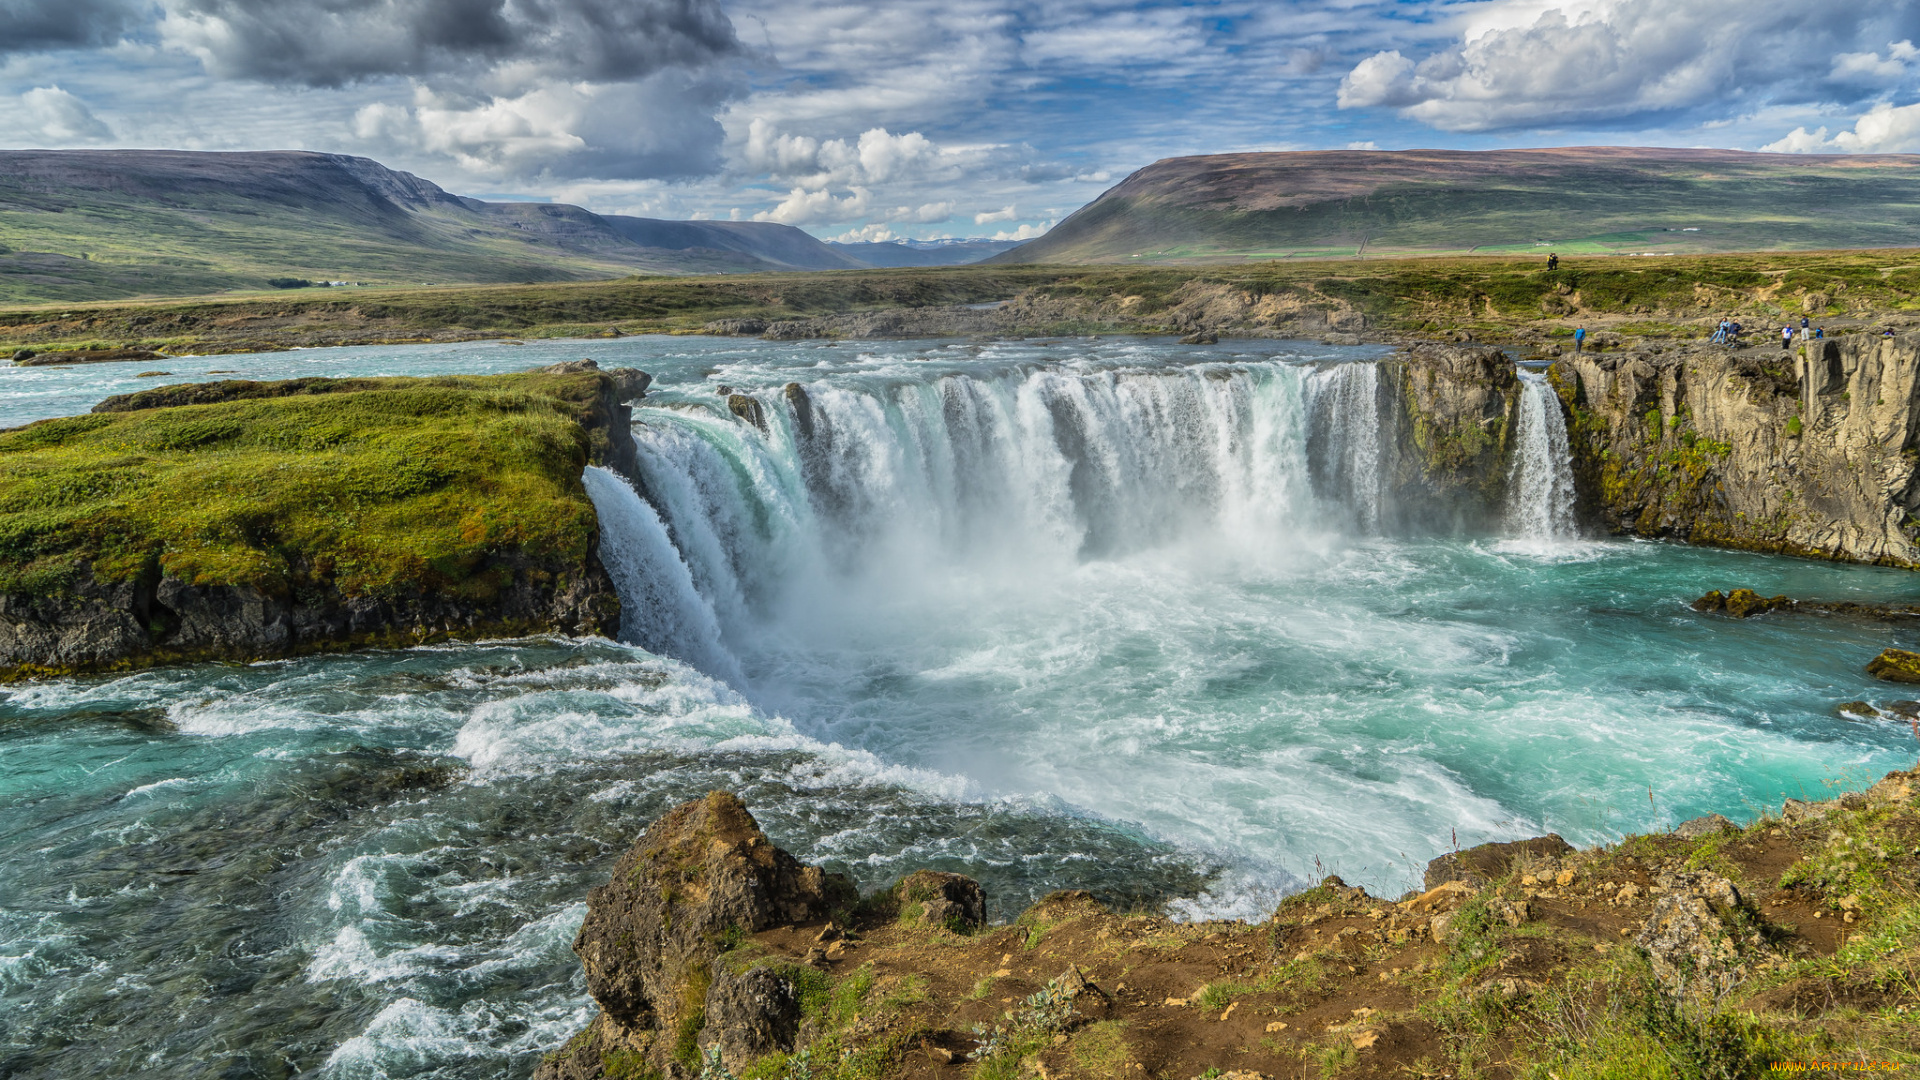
[1728, 332]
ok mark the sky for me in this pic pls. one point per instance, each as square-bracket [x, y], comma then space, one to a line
[871, 120]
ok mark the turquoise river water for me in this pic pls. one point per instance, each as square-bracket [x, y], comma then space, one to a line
[1102, 614]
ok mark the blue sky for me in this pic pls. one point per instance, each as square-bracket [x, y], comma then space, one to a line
[857, 119]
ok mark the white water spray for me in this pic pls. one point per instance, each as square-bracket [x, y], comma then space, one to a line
[660, 609]
[1540, 483]
[1345, 401]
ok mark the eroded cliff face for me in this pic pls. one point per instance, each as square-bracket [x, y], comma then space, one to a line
[1456, 410]
[1758, 449]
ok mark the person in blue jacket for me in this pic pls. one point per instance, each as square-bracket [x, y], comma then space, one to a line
[1579, 339]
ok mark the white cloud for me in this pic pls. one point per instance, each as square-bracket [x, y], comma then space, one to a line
[876, 233]
[1869, 67]
[661, 126]
[1368, 145]
[1529, 63]
[1025, 232]
[50, 115]
[1884, 129]
[804, 207]
[876, 157]
[1006, 213]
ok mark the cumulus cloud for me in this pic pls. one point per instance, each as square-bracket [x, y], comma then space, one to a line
[874, 233]
[1006, 213]
[1524, 63]
[504, 41]
[803, 207]
[50, 115]
[1025, 232]
[876, 157]
[35, 25]
[1884, 129]
[1872, 67]
[661, 127]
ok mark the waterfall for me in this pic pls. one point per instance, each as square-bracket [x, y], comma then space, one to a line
[660, 609]
[1540, 480]
[1345, 404]
[892, 483]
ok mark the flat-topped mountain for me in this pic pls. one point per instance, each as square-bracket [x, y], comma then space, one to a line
[1574, 200]
[107, 224]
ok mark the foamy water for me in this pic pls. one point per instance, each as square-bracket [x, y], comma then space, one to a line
[1106, 615]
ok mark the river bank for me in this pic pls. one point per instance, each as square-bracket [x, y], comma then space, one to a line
[1621, 301]
[1715, 950]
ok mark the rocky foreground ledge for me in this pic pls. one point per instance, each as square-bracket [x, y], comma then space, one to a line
[1711, 951]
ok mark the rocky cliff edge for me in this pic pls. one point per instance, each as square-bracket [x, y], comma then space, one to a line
[241, 520]
[1724, 948]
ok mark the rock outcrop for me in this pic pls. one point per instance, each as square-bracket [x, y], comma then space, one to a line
[1477, 866]
[1759, 449]
[652, 943]
[96, 622]
[1456, 409]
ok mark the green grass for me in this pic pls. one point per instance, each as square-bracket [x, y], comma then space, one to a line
[395, 486]
[1189, 209]
[1664, 297]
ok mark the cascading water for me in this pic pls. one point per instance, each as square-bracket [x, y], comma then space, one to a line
[1038, 467]
[1540, 480]
[1346, 433]
[1053, 615]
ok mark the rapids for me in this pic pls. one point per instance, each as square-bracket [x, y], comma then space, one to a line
[1114, 615]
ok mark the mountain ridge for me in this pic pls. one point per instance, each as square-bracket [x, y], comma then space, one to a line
[1577, 200]
[79, 225]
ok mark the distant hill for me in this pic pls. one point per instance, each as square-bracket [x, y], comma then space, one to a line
[1575, 200]
[951, 252]
[109, 224]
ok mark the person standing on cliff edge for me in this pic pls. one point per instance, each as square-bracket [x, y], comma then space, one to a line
[1553, 261]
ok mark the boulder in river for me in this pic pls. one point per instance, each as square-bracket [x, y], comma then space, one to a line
[700, 879]
[1896, 665]
[1741, 603]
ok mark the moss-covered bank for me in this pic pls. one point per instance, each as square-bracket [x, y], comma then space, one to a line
[241, 520]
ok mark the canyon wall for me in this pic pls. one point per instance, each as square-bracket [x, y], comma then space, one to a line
[1761, 449]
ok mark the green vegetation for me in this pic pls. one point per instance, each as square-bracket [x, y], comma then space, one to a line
[1490, 297]
[382, 487]
[1312, 206]
[103, 225]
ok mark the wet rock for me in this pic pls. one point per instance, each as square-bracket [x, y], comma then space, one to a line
[630, 383]
[748, 409]
[793, 330]
[1741, 603]
[1707, 825]
[1201, 337]
[1480, 866]
[802, 407]
[1896, 665]
[700, 876]
[736, 327]
[1688, 940]
[1856, 710]
[933, 898]
[750, 1014]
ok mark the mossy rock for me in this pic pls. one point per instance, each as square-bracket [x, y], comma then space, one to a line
[1896, 665]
